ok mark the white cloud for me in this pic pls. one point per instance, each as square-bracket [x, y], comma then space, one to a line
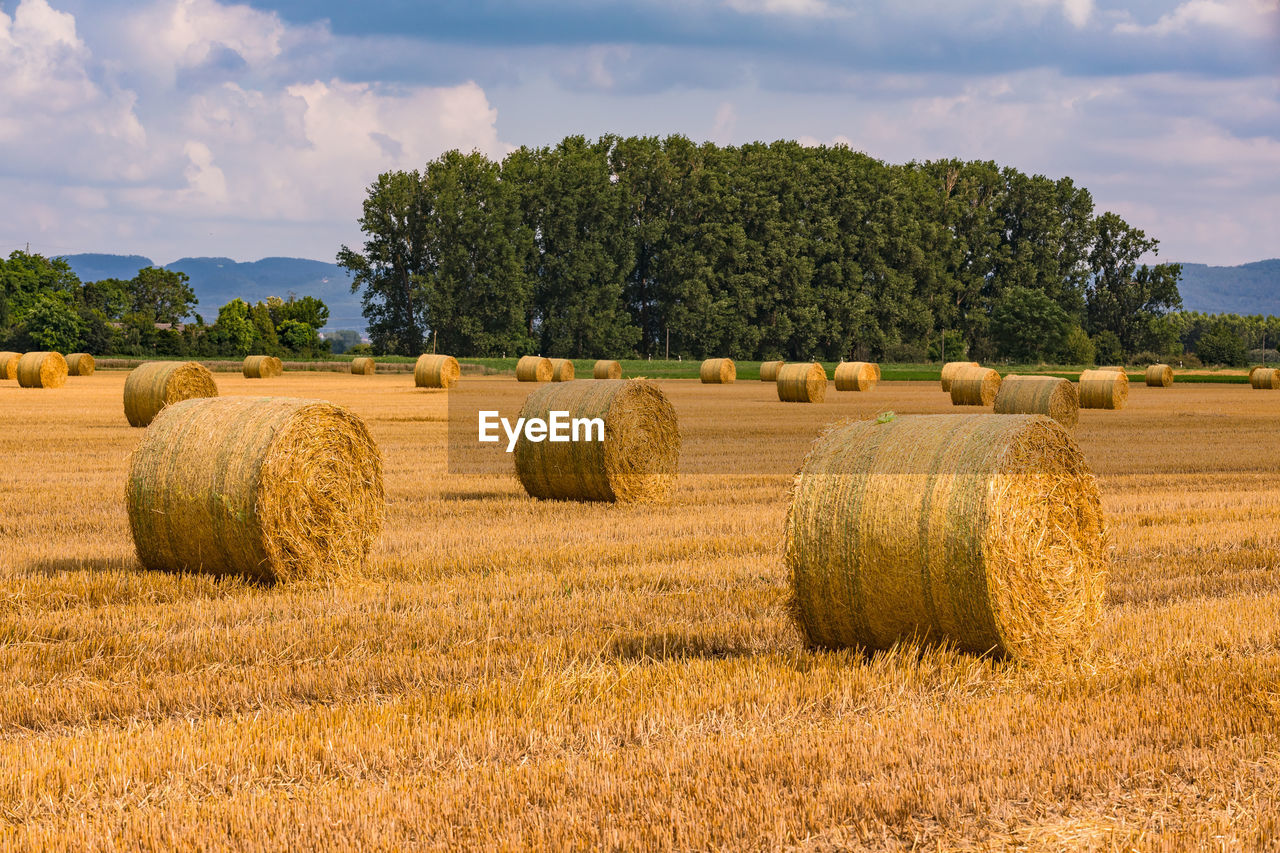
[798, 8]
[1243, 16]
[175, 34]
[724, 124]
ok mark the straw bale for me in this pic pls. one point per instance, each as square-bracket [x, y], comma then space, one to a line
[561, 370]
[606, 369]
[1103, 389]
[80, 364]
[949, 370]
[1159, 376]
[363, 366]
[534, 368]
[151, 386]
[974, 386]
[1039, 395]
[718, 371]
[436, 371]
[769, 370]
[261, 367]
[9, 365]
[1264, 377]
[856, 376]
[802, 383]
[42, 370]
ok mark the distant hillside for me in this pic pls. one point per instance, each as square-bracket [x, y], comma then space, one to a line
[217, 281]
[1246, 289]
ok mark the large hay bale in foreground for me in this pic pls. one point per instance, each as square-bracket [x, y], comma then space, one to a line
[718, 371]
[1103, 389]
[637, 460]
[261, 367]
[363, 366]
[769, 370]
[1159, 376]
[436, 371]
[950, 369]
[1039, 395]
[984, 531]
[561, 370]
[974, 386]
[856, 376]
[1264, 377]
[80, 364]
[802, 383]
[150, 387]
[42, 370]
[9, 364]
[273, 488]
[606, 369]
[534, 368]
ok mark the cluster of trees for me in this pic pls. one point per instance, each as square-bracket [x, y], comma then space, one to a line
[651, 246]
[44, 305]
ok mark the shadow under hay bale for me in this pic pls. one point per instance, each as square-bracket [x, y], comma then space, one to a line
[718, 371]
[950, 369]
[856, 376]
[534, 368]
[436, 371]
[802, 383]
[80, 364]
[974, 386]
[1103, 389]
[1039, 395]
[42, 370]
[150, 387]
[606, 369]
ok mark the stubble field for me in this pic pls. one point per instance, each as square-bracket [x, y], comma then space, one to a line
[522, 674]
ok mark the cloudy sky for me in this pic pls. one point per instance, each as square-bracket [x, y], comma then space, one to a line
[199, 127]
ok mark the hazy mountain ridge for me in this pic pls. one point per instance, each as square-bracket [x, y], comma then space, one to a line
[1245, 289]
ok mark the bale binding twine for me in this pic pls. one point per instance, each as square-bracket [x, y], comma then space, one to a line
[151, 386]
[802, 383]
[1039, 395]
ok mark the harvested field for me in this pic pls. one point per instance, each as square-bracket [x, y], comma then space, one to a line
[521, 673]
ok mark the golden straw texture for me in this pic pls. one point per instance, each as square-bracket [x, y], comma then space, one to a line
[1264, 377]
[635, 463]
[606, 369]
[80, 364]
[272, 488]
[974, 386]
[561, 370]
[9, 365]
[949, 370]
[1159, 376]
[769, 370]
[261, 367]
[984, 531]
[718, 371]
[363, 366]
[42, 370]
[1039, 395]
[856, 376]
[1103, 389]
[802, 383]
[436, 371]
[150, 387]
[534, 368]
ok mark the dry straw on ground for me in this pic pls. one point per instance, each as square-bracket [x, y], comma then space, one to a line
[1103, 388]
[561, 370]
[436, 371]
[802, 383]
[261, 367]
[1039, 395]
[974, 386]
[152, 386]
[950, 369]
[1159, 376]
[42, 370]
[534, 368]
[606, 369]
[1264, 377]
[769, 370]
[363, 366]
[80, 364]
[856, 376]
[635, 463]
[9, 365]
[980, 530]
[271, 488]
[718, 371]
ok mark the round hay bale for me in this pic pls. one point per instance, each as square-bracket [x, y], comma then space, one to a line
[718, 371]
[9, 365]
[261, 367]
[637, 460]
[856, 376]
[1039, 395]
[974, 386]
[1264, 377]
[606, 369]
[270, 487]
[42, 370]
[363, 366]
[1103, 389]
[984, 531]
[1159, 376]
[436, 371]
[80, 364]
[802, 383]
[1252, 370]
[561, 370]
[534, 368]
[150, 387]
[949, 370]
[769, 370]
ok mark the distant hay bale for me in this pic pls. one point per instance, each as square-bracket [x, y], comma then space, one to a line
[269, 487]
[1159, 376]
[561, 370]
[974, 386]
[949, 370]
[80, 364]
[363, 366]
[983, 531]
[42, 370]
[637, 460]
[856, 376]
[534, 368]
[718, 371]
[769, 370]
[606, 369]
[436, 371]
[1264, 377]
[9, 365]
[1039, 395]
[150, 387]
[1103, 389]
[261, 367]
[802, 383]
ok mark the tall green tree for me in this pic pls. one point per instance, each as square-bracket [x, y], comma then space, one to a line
[1123, 298]
[164, 294]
